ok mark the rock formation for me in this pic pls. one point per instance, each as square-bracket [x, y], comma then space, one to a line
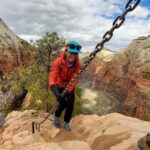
[12, 50]
[91, 132]
[126, 76]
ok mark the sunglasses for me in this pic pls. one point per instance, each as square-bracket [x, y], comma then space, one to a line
[72, 46]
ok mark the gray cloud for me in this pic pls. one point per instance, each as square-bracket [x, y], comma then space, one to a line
[85, 21]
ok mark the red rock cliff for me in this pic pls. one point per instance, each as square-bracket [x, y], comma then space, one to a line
[12, 50]
[127, 76]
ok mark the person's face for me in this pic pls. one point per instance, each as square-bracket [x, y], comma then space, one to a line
[71, 57]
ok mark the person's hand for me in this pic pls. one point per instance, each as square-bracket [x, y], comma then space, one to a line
[55, 90]
[64, 93]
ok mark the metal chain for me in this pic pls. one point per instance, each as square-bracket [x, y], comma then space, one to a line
[106, 37]
[117, 23]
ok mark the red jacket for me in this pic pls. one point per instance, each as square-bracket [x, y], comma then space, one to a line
[61, 74]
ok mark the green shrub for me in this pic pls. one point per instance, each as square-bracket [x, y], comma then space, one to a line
[40, 104]
[147, 116]
[146, 75]
[146, 97]
[78, 102]
[6, 110]
[34, 79]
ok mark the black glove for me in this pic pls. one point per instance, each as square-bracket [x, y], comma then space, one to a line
[64, 93]
[56, 89]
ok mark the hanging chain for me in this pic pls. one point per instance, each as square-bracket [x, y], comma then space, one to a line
[117, 23]
[106, 37]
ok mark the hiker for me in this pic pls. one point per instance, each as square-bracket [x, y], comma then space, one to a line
[63, 70]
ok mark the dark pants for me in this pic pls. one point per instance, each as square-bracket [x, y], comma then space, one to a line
[68, 104]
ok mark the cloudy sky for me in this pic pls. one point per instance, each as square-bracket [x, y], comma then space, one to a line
[82, 20]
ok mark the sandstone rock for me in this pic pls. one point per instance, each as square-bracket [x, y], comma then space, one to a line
[67, 145]
[7, 134]
[76, 145]
[91, 132]
[27, 101]
[124, 79]
[17, 127]
[106, 55]
[25, 137]
[43, 146]
[12, 53]
[49, 130]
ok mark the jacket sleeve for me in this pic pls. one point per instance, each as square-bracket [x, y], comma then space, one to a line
[54, 72]
[72, 87]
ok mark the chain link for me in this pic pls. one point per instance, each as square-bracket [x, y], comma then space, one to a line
[131, 8]
[117, 23]
[106, 37]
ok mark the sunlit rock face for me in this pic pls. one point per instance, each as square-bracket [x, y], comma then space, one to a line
[124, 79]
[89, 132]
[14, 52]
[12, 49]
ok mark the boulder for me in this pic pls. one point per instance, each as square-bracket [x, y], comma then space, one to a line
[91, 132]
